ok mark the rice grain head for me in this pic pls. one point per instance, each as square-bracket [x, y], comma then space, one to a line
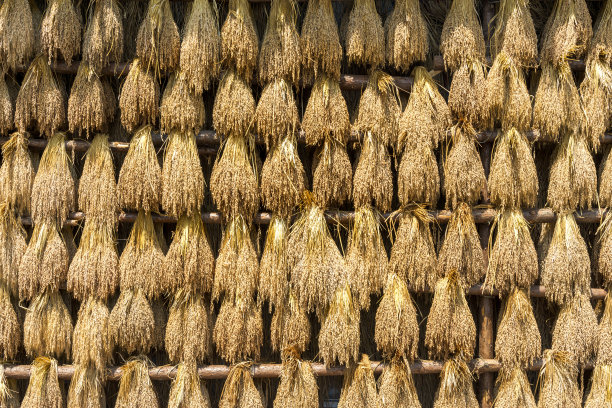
[298, 385]
[601, 45]
[276, 115]
[603, 256]
[238, 332]
[86, 388]
[600, 394]
[468, 95]
[567, 32]
[332, 174]
[12, 248]
[103, 37]
[450, 325]
[365, 38]
[515, 34]
[9, 395]
[132, 323]
[397, 328]
[290, 327]
[187, 390]
[514, 390]
[575, 330]
[373, 179]
[7, 107]
[605, 180]
[320, 42]
[60, 31]
[359, 386]
[274, 267]
[339, 335]
[604, 336]
[456, 389]
[462, 38]
[558, 381]
[396, 387]
[10, 330]
[97, 195]
[326, 114]
[47, 329]
[181, 108]
[17, 34]
[86, 110]
[135, 387]
[234, 106]
[239, 391]
[239, 41]
[379, 108]
[596, 98]
[44, 389]
[139, 97]
[418, 177]
[92, 343]
[407, 33]
[158, 42]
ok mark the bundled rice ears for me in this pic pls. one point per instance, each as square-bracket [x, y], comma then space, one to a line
[456, 390]
[239, 42]
[603, 255]
[365, 40]
[359, 386]
[189, 328]
[44, 389]
[60, 31]
[379, 109]
[10, 327]
[86, 389]
[326, 115]
[320, 42]
[9, 396]
[234, 106]
[339, 335]
[239, 391]
[7, 107]
[462, 38]
[181, 108]
[406, 35]
[600, 394]
[158, 40]
[103, 38]
[17, 34]
[396, 386]
[373, 180]
[605, 180]
[567, 32]
[576, 329]
[467, 97]
[187, 390]
[332, 174]
[89, 109]
[132, 322]
[238, 332]
[135, 386]
[298, 385]
[12, 247]
[513, 389]
[515, 33]
[16, 173]
[276, 115]
[559, 381]
[290, 327]
[604, 336]
[47, 329]
[139, 97]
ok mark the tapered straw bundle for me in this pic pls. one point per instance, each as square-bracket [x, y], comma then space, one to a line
[158, 40]
[365, 39]
[201, 47]
[396, 386]
[132, 322]
[274, 267]
[320, 42]
[16, 173]
[92, 343]
[234, 106]
[60, 31]
[567, 32]
[406, 33]
[87, 105]
[515, 33]
[456, 390]
[9, 397]
[276, 115]
[189, 328]
[103, 39]
[326, 114]
[373, 180]
[575, 330]
[290, 327]
[559, 381]
[44, 389]
[518, 341]
[239, 390]
[10, 327]
[86, 388]
[359, 386]
[600, 395]
[47, 329]
[596, 94]
[332, 175]
[397, 328]
[238, 332]
[7, 107]
[604, 336]
[514, 390]
[603, 243]
[239, 42]
[12, 247]
[450, 325]
[468, 95]
[187, 390]
[605, 180]
[462, 38]
[339, 335]
[181, 108]
[418, 177]
[135, 387]
[298, 385]
[139, 97]
[17, 34]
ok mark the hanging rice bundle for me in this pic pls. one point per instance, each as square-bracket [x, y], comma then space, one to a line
[237, 267]
[298, 385]
[86, 388]
[596, 97]
[182, 179]
[559, 381]
[274, 267]
[468, 95]
[605, 180]
[139, 185]
[557, 102]
[450, 325]
[604, 335]
[181, 109]
[238, 332]
[413, 255]
[366, 258]
[60, 31]
[373, 180]
[379, 108]
[339, 335]
[86, 105]
[567, 32]
[456, 390]
[44, 389]
[575, 330]
[396, 386]
[283, 179]
[187, 390]
[406, 32]
[567, 266]
[16, 173]
[17, 34]
[359, 386]
[139, 97]
[200, 48]
[280, 55]
[600, 395]
[9, 396]
[332, 174]
[326, 114]
[397, 328]
[426, 117]
[12, 248]
[513, 261]
[601, 44]
[515, 33]
[91, 341]
[320, 42]
[188, 332]
[513, 389]
[603, 252]
[103, 38]
[47, 329]
[234, 106]
[132, 323]
[97, 186]
[462, 38]
[239, 42]
[40, 102]
[464, 178]
[135, 387]
[365, 38]
[6, 107]
[461, 250]
[276, 115]
[290, 327]
[239, 390]
[573, 176]
[518, 341]
[513, 180]
[316, 265]
[158, 42]
[418, 177]
[10, 328]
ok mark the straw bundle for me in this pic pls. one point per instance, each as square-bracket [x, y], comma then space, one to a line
[276, 115]
[60, 31]
[359, 386]
[234, 106]
[44, 389]
[339, 335]
[290, 327]
[40, 102]
[600, 395]
[132, 323]
[188, 332]
[557, 102]
[567, 32]
[103, 38]
[418, 177]
[316, 265]
[139, 97]
[559, 381]
[366, 257]
[573, 176]
[274, 267]
[514, 390]
[47, 329]
[238, 332]
[461, 250]
[12, 247]
[575, 330]
[182, 179]
[604, 335]
[237, 267]
[373, 180]
[332, 174]
[406, 33]
[320, 42]
[97, 186]
[17, 34]
[396, 387]
[239, 390]
[16, 173]
[86, 105]
[605, 180]
[326, 114]
[298, 385]
[187, 390]
[450, 325]
[601, 44]
[462, 38]
[596, 97]
[518, 341]
[567, 267]
[6, 108]
[239, 42]
[86, 389]
[515, 33]
[158, 40]
[181, 108]
[413, 255]
[10, 327]
[92, 343]
[603, 255]
[9, 397]
[200, 48]
[397, 328]
[135, 387]
[456, 389]
[365, 38]
[468, 95]
[464, 178]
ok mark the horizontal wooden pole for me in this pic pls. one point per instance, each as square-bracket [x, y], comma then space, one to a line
[536, 291]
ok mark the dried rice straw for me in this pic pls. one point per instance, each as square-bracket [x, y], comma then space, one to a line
[103, 39]
[396, 387]
[456, 389]
[86, 388]
[575, 330]
[189, 328]
[605, 180]
[339, 335]
[468, 95]
[320, 42]
[7, 107]
[276, 115]
[567, 32]
[86, 105]
[135, 386]
[515, 33]
[16, 173]
[239, 390]
[559, 381]
[406, 32]
[373, 180]
[139, 97]
[513, 389]
[17, 34]
[238, 332]
[60, 31]
[132, 322]
[9, 395]
[44, 389]
[97, 185]
[47, 328]
[600, 395]
[604, 335]
[601, 43]
[290, 327]
[10, 329]
[187, 390]
[274, 267]
[298, 385]
[596, 98]
[12, 247]
[462, 38]
[92, 343]
[181, 108]
[326, 114]
[359, 386]
[158, 41]
[239, 41]
[234, 106]
[332, 174]
[418, 177]
[365, 38]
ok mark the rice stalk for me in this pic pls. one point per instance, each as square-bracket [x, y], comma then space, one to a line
[600, 394]
[10, 333]
[274, 267]
[513, 389]
[290, 327]
[456, 390]
[320, 42]
[326, 114]
[276, 115]
[359, 386]
[12, 248]
[103, 38]
[97, 195]
[396, 386]
[558, 381]
[567, 32]
[575, 330]
[462, 38]
[47, 329]
[135, 387]
[187, 390]
[596, 98]
[44, 389]
[468, 95]
[239, 41]
[86, 104]
[418, 177]
[181, 108]
[604, 336]
[139, 97]
[332, 174]
[239, 390]
[60, 31]
[379, 108]
[9, 395]
[238, 332]
[515, 34]
[603, 256]
[132, 323]
[158, 41]
[605, 180]
[339, 335]
[234, 106]
[17, 34]
[373, 179]
[7, 107]
[86, 388]
[406, 33]
[298, 385]
[601, 43]
[365, 38]
[92, 344]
